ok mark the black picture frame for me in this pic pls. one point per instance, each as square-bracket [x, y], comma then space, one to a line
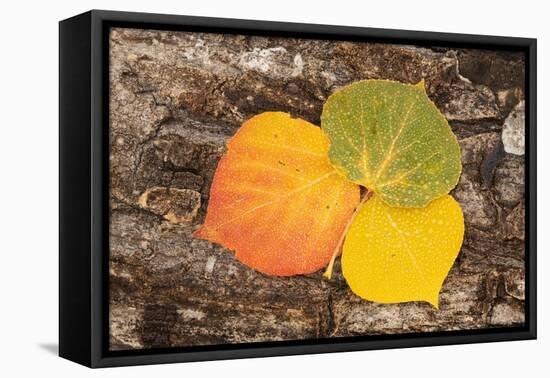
[83, 181]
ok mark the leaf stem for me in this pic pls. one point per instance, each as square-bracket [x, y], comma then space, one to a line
[337, 251]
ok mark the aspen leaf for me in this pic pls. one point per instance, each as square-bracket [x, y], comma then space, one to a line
[390, 138]
[276, 200]
[393, 255]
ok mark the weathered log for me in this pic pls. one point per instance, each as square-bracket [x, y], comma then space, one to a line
[176, 98]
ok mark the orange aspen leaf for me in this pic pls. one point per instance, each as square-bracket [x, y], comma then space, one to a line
[276, 200]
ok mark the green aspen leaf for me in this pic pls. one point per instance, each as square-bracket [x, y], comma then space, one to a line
[390, 137]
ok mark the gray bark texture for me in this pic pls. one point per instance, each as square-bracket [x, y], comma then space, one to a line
[176, 98]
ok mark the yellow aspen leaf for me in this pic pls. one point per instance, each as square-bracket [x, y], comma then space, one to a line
[276, 200]
[394, 255]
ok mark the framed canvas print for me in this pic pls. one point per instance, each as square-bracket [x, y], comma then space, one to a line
[234, 188]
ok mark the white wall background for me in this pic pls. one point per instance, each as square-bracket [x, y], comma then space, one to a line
[29, 189]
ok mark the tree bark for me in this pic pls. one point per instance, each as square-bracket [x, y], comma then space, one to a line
[176, 98]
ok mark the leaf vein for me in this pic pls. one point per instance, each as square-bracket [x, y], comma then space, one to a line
[389, 154]
[281, 198]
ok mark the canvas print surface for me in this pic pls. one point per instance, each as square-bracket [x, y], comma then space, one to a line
[272, 189]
